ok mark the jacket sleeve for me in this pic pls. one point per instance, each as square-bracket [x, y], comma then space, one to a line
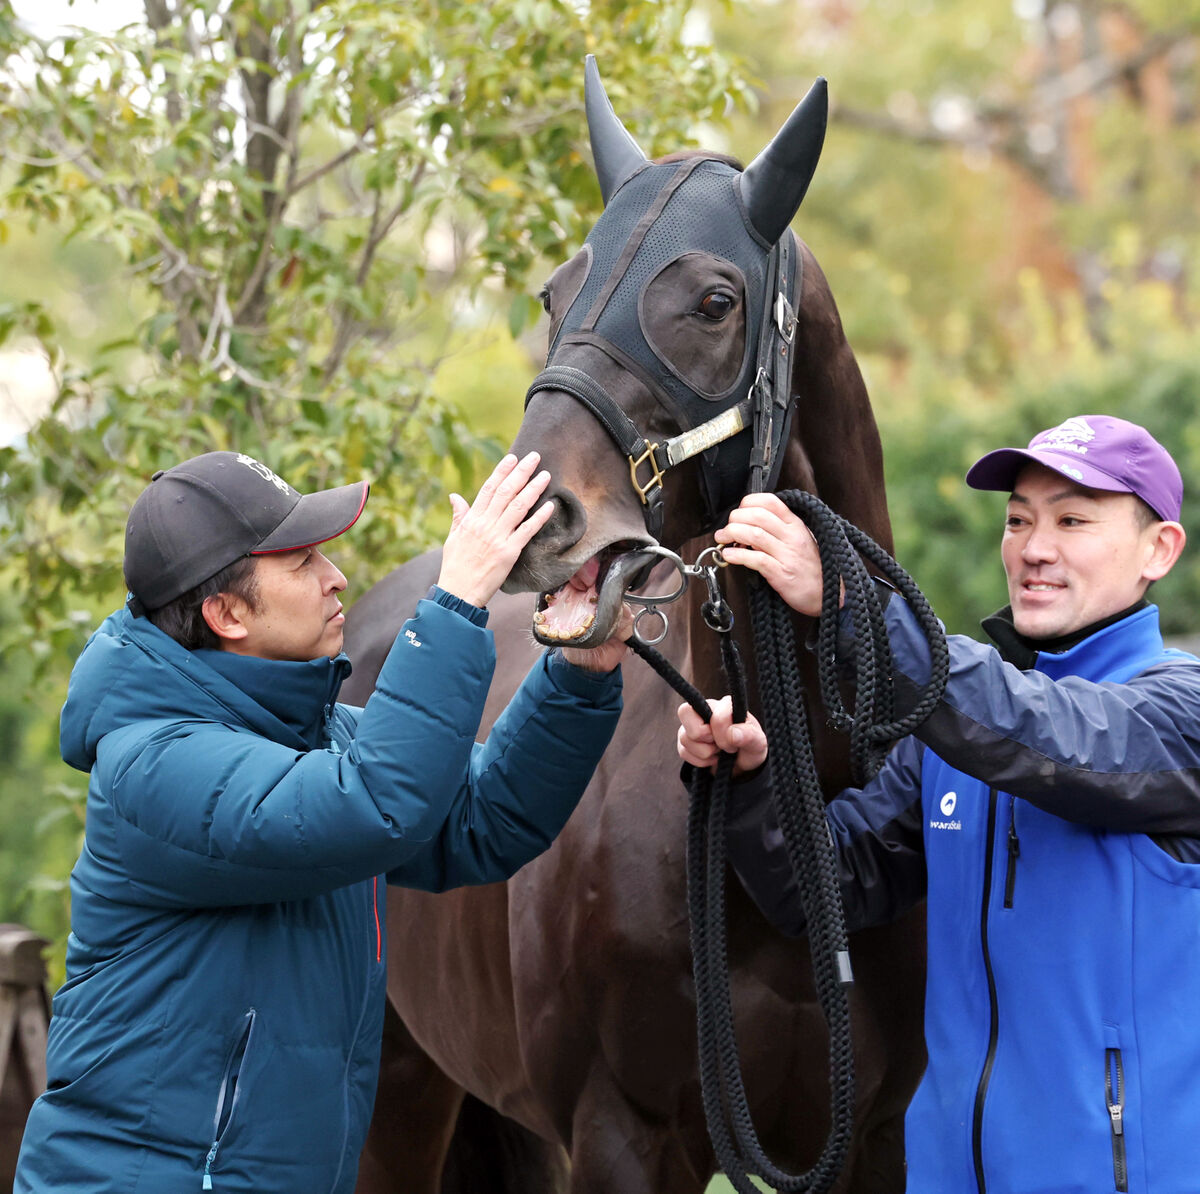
[877, 839]
[1116, 756]
[524, 781]
[205, 815]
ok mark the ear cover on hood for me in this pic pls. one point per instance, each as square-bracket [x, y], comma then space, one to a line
[614, 151]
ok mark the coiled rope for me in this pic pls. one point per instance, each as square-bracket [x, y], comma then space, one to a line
[872, 727]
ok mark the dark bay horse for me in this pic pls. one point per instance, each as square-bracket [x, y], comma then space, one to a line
[541, 1033]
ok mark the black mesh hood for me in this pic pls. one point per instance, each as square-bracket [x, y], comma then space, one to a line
[661, 213]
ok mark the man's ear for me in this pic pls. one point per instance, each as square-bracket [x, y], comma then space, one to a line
[224, 613]
[1168, 543]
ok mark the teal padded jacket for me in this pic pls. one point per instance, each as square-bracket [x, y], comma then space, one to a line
[220, 1023]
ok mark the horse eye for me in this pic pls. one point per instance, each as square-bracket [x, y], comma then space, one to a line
[544, 296]
[716, 305]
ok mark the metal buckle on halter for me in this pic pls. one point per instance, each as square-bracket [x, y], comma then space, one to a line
[656, 479]
[785, 318]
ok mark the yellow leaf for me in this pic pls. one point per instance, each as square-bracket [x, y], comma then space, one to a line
[504, 186]
[217, 433]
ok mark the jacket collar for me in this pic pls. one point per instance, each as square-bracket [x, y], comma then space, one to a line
[1125, 642]
[298, 694]
[1023, 651]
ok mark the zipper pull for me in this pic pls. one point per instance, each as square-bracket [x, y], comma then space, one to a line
[212, 1154]
[1014, 852]
[1115, 1111]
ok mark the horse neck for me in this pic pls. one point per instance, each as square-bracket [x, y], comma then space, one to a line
[834, 449]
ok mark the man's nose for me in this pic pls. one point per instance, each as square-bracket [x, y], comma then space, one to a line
[335, 581]
[1039, 545]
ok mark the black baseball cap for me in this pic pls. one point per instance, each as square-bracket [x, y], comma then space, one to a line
[198, 517]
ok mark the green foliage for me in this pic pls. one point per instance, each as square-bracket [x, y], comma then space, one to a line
[948, 536]
[270, 180]
[297, 210]
[1007, 216]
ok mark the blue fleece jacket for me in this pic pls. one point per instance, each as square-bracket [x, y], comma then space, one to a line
[1041, 813]
[220, 1023]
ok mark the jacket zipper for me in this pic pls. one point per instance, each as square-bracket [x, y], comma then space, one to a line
[1114, 1098]
[378, 928]
[1014, 852]
[994, 1028]
[227, 1097]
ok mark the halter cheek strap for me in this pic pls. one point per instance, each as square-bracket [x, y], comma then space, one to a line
[767, 405]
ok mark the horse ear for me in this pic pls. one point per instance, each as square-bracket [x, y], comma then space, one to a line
[774, 184]
[614, 151]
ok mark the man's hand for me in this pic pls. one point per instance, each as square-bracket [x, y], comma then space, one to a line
[764, 535]
[485, 538]
[701, 743]
[608, 654]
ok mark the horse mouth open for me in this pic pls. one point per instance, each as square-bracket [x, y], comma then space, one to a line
[585, 611]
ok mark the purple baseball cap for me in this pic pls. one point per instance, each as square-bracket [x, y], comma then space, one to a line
[1098, 452]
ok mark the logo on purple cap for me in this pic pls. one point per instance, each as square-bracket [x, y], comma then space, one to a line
[1069, 436]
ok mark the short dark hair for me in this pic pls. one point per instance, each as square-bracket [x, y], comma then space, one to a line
[183, 618]
[1145, 516]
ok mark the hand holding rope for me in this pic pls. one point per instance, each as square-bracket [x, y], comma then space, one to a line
[872, 728]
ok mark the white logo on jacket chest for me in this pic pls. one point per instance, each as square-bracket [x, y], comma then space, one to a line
[947, 805]
[411, 635]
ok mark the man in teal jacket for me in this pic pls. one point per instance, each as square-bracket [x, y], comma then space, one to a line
[1048, 811]
[220, 1023]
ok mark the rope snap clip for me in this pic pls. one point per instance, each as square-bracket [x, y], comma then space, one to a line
[715, 611]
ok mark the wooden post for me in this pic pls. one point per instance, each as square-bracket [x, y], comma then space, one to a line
[24, 1017]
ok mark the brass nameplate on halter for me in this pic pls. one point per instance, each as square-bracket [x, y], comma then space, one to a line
[715, 431]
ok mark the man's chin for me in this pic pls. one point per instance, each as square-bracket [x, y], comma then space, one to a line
[1042, 624]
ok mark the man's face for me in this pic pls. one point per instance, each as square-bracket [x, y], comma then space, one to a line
[299, 616]
[1072, 555]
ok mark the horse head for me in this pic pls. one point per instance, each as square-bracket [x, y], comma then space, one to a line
[653, 390]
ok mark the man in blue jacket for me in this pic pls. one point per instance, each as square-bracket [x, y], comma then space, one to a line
[1049, 811]
[219, 1027]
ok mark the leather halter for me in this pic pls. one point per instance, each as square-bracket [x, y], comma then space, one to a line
[766, 407]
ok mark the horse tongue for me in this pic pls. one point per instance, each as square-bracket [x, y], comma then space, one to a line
[585, 578]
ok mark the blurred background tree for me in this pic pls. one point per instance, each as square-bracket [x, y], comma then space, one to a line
[1008, 211]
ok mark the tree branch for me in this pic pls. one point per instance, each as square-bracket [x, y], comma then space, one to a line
[991, 126]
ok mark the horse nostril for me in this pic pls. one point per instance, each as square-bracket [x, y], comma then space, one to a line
[566, 525]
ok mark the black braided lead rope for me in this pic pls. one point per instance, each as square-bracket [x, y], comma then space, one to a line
[799, 801]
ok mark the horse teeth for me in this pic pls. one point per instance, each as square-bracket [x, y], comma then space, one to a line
[594, 600]
[587, 623]
[538, 617]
